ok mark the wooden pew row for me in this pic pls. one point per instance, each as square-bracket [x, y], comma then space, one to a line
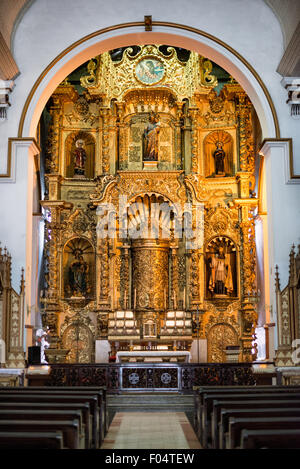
[243, 401]
[31, 440]
[46, 415]
[84, 410]
[100, 391]
[69, 429]
[205, 404]
[99, 422]
[250, 413]
[204, 391]
[57, 398]
[270, 439]
[236, 425]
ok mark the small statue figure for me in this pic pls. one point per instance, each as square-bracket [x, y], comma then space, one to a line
[41, 340]
[150, 139]
[80, 157]
[219, 156]
[78, 276]
[220, 279]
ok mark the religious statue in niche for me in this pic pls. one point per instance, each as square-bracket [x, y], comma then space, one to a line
[219, 157]
[150, 139]
[78, 276]
[80, 157]
[221, 268]
[218, 151]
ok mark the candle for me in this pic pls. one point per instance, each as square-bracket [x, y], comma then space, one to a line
[134, 299]
[184, 298]
[125, 299]
[174, 299]
[165, 298]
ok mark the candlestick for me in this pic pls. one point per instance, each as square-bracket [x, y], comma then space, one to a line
[174, 299]
[134, 299]
[184, 298]
[165, 298]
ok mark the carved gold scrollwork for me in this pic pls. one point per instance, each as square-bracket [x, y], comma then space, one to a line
[206, 78]
[91, 79]
[247, 157]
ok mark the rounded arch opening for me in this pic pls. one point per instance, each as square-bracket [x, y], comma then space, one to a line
[168, 33]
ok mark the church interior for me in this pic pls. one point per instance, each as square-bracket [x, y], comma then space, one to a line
[153, 271]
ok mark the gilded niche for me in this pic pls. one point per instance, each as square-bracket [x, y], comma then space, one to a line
[80, 155]
[221, 268]
[78, 269]
[218, 149]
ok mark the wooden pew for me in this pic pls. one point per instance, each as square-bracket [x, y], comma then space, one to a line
[31, 440]
[254, 412]
[69, 429]
[211, 413]
[204, 391]
[46, 415]
[56, 397]
[100, 391]
[101, 420]
[84, 409]
[262, 402]
[236, 425]
[207, 397]
[270, 439]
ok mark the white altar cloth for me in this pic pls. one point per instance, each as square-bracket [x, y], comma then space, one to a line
[153, 356]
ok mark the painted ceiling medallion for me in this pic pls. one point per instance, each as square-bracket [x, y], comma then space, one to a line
[149, 71]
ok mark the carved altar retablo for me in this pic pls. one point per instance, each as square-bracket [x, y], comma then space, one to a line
[149, 237]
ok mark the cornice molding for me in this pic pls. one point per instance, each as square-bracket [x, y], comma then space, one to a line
[286, 144]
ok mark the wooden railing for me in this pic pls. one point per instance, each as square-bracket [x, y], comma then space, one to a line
[180, 377]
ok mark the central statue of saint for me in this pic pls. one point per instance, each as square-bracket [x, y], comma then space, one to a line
[219, 156]
[78, 276]
[80, 157]
[150, 139]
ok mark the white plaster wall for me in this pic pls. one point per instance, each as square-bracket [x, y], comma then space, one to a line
[251, 28]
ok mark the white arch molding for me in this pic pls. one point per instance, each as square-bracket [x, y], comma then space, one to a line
[163, 33]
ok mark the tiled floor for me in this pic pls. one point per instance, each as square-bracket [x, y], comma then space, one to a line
[150, 430]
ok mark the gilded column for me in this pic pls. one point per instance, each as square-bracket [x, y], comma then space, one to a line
[193, 114]
[53, 228]
[106, 114]
[178, 133]
[150, 270]
[121, 156]
[52, 155]
[194, 277]
[174, 267]
[248, 277]
[104, 273]
[125, 293]
[247, 157]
